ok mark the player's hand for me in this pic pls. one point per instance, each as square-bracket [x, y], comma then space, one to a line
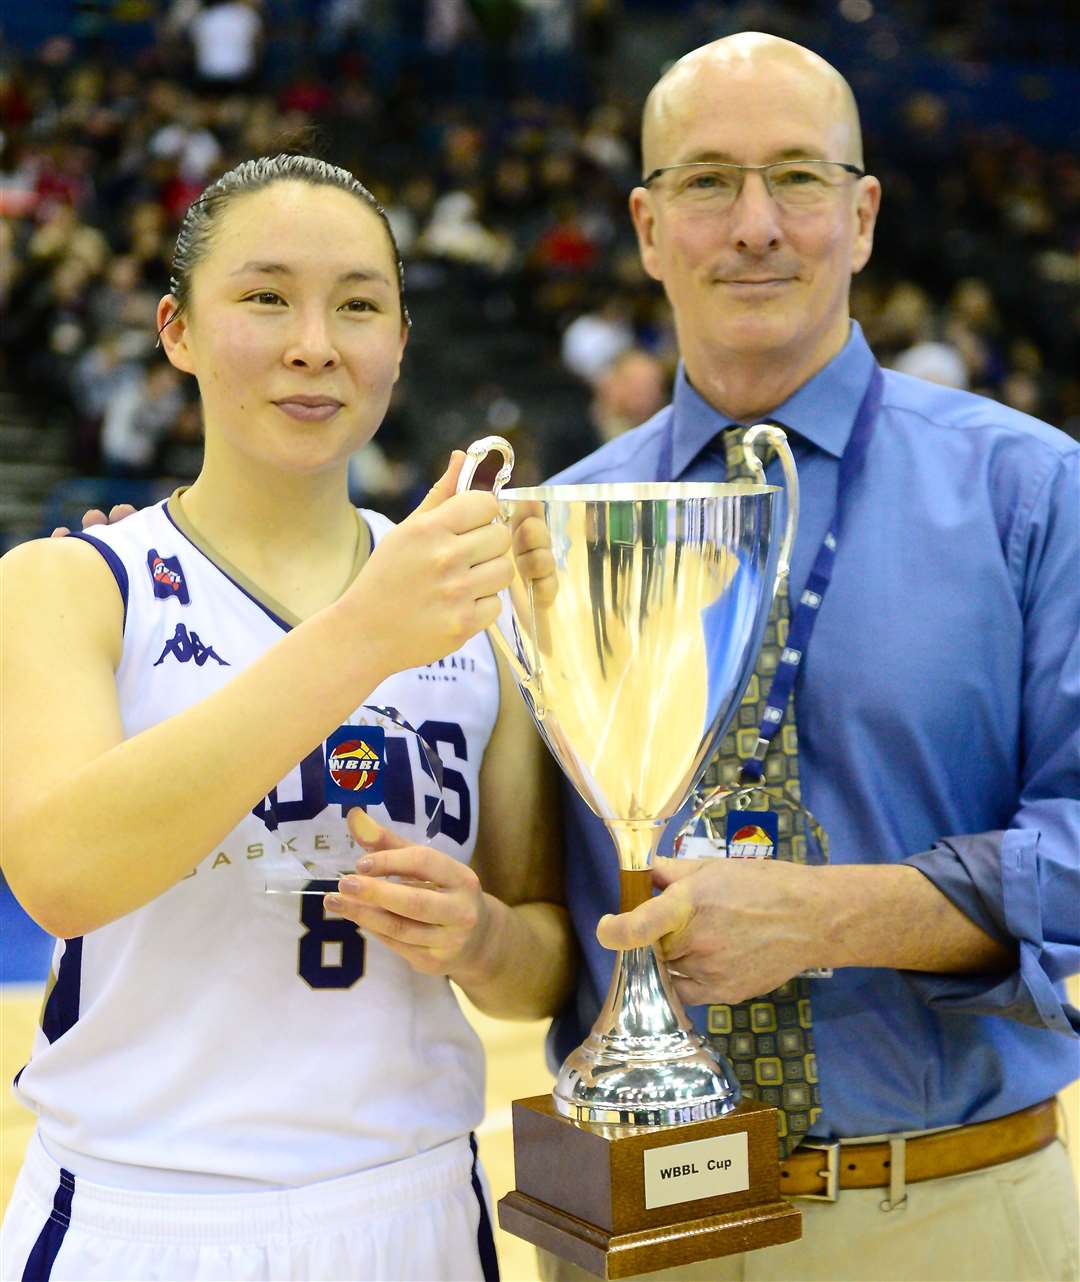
[729, 928]
[434, 916]
[95, 516]
[431, 582]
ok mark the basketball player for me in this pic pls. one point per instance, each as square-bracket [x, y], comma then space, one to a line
[228, 1083]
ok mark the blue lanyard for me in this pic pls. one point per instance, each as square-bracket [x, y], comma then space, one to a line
[806, 612]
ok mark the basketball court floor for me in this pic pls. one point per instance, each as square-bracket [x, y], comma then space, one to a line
[515, 1058]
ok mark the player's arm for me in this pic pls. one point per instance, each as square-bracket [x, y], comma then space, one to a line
[525, 964]
[93, 824]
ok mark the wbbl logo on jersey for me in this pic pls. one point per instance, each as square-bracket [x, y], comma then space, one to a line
[167, 577]
[355, 757]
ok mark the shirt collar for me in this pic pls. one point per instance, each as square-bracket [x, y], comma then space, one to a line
[822, 410]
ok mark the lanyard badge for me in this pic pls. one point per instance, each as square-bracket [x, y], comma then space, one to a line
[747, 822]
[751, 834]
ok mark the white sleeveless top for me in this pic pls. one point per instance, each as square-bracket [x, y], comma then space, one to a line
[233, 1033]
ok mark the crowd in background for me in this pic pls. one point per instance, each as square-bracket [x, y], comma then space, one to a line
[532, 314]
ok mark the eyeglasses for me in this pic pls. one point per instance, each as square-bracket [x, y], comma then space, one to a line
[795, 185]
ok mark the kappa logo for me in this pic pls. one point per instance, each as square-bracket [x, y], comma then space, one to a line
[167, 577]
[185, 646]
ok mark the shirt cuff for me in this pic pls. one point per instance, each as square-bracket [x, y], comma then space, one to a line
[993, 878]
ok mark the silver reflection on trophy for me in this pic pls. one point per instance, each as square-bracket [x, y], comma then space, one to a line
[632, 626]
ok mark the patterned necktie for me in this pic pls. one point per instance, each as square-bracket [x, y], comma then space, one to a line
[769, 1040]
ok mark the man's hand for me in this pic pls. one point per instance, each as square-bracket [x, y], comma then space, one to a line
[434, 915]
[729, 928]
[533, 557]
[95, 516]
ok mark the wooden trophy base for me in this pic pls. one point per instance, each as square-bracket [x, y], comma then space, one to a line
[624, 1200]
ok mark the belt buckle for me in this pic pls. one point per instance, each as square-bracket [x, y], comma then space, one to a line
[831, 1173]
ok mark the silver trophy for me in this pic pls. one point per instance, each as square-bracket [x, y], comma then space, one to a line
[632, 626]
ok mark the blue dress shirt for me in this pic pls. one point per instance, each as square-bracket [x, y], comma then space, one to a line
[938, 708]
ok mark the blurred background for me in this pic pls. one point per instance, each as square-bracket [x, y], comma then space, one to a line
[502, 137]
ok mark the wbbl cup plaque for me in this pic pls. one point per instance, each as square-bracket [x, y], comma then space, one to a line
[633, 648]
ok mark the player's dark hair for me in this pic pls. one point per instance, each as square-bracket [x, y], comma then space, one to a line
[197, 227]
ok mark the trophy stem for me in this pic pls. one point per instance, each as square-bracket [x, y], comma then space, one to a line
[643, 1063]
[636, 841]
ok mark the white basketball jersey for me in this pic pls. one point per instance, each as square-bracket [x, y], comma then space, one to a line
[243, 1035]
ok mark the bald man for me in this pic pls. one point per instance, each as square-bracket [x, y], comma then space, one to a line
[937, 706]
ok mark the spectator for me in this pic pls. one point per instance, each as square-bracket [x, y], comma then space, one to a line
[457, 233]
[936, 362]
[634, 387]
[592, 341]
[101, 156]
[139, 413]
[227, 37]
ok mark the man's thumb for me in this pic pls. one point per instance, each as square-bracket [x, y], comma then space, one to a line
[446, 485]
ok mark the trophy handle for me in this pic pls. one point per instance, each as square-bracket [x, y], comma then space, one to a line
[775, 437]
[474, 456]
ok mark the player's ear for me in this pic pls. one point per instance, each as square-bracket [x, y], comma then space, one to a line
[172, 325]
[401, 348]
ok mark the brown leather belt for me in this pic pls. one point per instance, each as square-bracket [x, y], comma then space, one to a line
[819, 1170]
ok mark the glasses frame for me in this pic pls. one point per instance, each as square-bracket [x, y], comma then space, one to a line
[745, 169]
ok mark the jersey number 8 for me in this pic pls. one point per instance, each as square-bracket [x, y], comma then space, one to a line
[331, 952]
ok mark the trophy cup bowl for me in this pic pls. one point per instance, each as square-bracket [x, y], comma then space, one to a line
[633, 635]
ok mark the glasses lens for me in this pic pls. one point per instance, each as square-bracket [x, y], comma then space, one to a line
[706, 184]
[801, 183]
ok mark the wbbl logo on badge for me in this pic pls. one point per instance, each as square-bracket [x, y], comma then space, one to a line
[752, 834]
[355, 760]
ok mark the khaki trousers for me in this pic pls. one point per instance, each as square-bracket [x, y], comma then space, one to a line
[1016, 1222]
